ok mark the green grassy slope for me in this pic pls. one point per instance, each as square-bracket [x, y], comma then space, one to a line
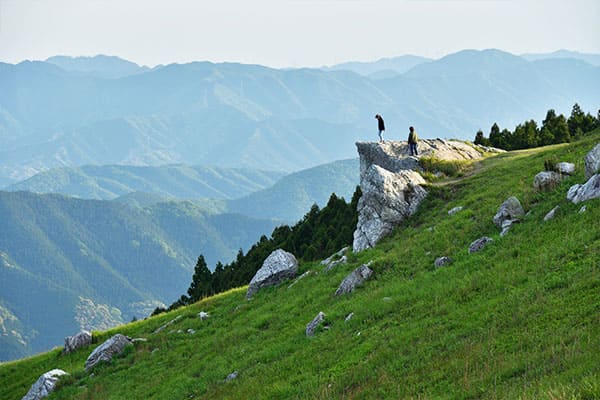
[521, 319]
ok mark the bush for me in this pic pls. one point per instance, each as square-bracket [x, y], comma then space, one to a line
[432, 167]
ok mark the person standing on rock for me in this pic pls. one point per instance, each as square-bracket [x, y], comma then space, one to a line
[380, 125]
[413, 139]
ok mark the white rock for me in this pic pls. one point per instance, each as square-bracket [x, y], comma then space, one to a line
[82, 339]
[479, 244]
[203, 315]
[44, 385]
[551, 213]
[312, 325]
[455, 210]
[107, 350]
[349, 317]
[582, 209]
[356, 278]
[592, 162]
[546, 180]
[509, 212]
[565, 168]
[279, 266]
[587, 191]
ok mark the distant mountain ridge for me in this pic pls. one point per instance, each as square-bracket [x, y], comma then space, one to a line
[589, 58]
[69, 260]
[170, 181]
[251, 116]
[100, 66]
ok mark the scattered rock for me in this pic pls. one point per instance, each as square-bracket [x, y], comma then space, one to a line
[565, 168]
[179, 331]
[506, 226]
[231, 376]
[139, 339]
[72, 343]
[455, 210]
[551, 213]
[587, 191]
[191, 331]
[107, 350]
[387, 299]
[592, 162]
[304, 275]
[356, 278]
[387, 199]
[479, 244]
[203, 315]
[511, 210]
[177, 318]
[44, 385]
[442, 261]
[335, 263]
[335, 256]
[582, 209]
[312, 325]
[546, 180]
[279, 266]
[349, 317]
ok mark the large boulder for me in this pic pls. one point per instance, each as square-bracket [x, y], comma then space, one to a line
[546, 180]
[387, 199]
[82, 339]
[592, 162]
[356, 278]
[587, 191]
[44, 385]
[107, 350]
[279, 266]
[509, 211]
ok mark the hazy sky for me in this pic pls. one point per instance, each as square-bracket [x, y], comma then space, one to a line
[291, 32]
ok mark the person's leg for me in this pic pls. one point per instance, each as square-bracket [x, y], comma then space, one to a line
[380, 138]
[416, 150]
[410, 149]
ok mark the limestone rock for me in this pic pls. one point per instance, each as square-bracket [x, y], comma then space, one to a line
[511, 210]
[582, 209]
[279, 266]
[298, 279]
[587, 191]
[442, 261]
[546, 180]
[551, 213]
[387, 200]
[44, 385]
[314, 324]
[349, 317]
[356, 278]
[203, 315]
[231, 376]
[565, 168]
[161, 328]
[455, 210]
[77, 341]
[592, 162]
[335, 259]
[107, 350]
[479, 244]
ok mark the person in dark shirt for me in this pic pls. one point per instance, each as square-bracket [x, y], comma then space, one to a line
[380, 125]
[413, 139]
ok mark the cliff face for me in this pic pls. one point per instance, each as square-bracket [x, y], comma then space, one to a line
[392, 186]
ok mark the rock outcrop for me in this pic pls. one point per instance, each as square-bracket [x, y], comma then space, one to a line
[387, 199]
[592, 162]
[107, 350]
[391, 184]
[356, 278]
[82, 339]
[587, 191]
[44, 385]
[442, 261]
[279, 266]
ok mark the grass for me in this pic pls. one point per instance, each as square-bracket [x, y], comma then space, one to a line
[518, 320]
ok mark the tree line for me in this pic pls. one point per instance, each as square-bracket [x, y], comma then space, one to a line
[555, 129]
[320, 233]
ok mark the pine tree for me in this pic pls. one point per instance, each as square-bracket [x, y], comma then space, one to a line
[201, 285]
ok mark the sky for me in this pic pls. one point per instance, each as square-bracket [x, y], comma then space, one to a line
[291, 33]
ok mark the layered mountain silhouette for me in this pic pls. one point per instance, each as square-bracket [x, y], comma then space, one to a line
[239, 115]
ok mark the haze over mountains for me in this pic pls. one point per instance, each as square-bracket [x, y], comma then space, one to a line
[236, 115]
